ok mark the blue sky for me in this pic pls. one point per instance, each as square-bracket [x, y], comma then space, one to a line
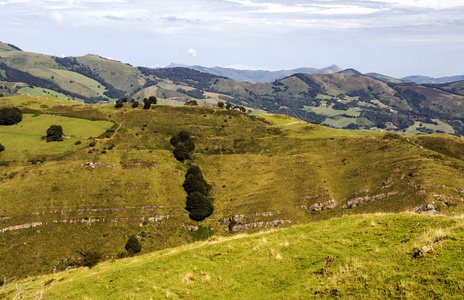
[393, 37]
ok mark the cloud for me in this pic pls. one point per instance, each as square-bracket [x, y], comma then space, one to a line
[192, 52]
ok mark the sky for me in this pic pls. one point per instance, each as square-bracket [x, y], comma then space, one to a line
[393, 37]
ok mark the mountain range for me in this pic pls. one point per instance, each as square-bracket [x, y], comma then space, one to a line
[340, 99]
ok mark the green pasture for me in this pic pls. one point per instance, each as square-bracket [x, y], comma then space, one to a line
[24, 141]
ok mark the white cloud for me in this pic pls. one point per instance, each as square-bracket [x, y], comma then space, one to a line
[192, 52]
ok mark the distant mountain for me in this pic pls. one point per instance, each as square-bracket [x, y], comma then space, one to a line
[258, 75]
[429, 80]
[350, 72]
[345, 99]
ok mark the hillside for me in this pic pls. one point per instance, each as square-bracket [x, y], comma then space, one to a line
[348, 99]
[269, 172]
[374, 256]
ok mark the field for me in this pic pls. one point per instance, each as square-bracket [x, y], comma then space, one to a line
[357, 257]
[269, 172]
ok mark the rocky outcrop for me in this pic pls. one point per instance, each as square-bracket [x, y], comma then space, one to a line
[447, 198]
[428, 209]
[240, 218]
[323, 205]
[269, 224]
[97, 164]
[155, 218]
[190, 227]
[361, 200]
[21, 226]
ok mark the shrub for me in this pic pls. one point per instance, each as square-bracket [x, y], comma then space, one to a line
[133, 245]
[10, 116]
[78, 143]
[90, 258]
[181, 152]
[146, 103]
[191, 103]
[220, 104]
[92, 144]
[152, 100]
[199, 206]
[183, 145]
[55, 133]
[2, 148]
[135, 104]
[118, 104]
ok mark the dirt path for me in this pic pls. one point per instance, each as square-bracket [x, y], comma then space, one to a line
[110, 138]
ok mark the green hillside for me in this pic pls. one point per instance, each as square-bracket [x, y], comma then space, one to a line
[356, 257]
[270, 172]
[347, 99]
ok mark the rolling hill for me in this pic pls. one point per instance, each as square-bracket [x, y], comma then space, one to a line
[116, 176]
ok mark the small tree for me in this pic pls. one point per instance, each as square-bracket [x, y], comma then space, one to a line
[133, 245]
[118, 104]
[228, 106]
[55, 133]
[199, 206]
[152, 100]
[135, 104]
[124, 100]
[220, 104]
[146, 104]
[191, 103]
[10, 116]
[181, 152]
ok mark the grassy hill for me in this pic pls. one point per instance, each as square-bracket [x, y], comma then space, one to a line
[372, 256]
[347, 99]
[269, 172]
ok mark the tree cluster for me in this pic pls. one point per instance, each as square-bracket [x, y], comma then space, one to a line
[198, 204]
[55, 133]
[148, 102]
[183, 146]
[10, 116]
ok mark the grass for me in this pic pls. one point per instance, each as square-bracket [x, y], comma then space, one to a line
[254, 166]
[373, 258]
[24, 140]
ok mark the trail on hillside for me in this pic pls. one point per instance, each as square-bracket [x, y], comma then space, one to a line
[111, 137]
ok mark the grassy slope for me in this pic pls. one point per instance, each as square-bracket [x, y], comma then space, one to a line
[373, 259]
[253, 168]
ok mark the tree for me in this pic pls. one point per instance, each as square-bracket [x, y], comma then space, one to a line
[194, 181]
[133, 245]
[119, 104]
[2, 148]
[55, 133]
[124, 100]
[228, 106]
[10, 116]
[191, 103]
[135, 104]
[199, 206]
[220, 104]
[152, 100]
[146, 103]
[183, 145]
[181, 152]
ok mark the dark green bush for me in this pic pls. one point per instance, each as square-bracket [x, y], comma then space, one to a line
[118, 104]
[90, 258]
[55, 133]
[199, 206]
[2, 148]
[133, 245]
[10, 116]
